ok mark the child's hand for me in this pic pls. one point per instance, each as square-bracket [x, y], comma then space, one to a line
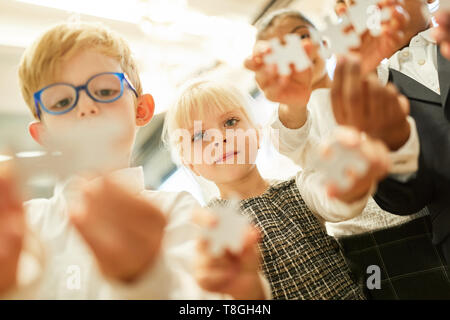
[12, 229]
[376, 155]
[442, 32]
[123, 230]
[235, 274]
[293, 90]
[364, 103]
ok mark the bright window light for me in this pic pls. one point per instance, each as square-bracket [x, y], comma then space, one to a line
[4, 158]
[129, 11]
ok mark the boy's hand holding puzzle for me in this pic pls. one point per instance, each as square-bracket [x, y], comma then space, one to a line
[123, 230]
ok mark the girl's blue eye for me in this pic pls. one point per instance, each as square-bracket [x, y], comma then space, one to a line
[231, 122]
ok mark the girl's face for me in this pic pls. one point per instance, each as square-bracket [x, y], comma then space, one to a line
[222, 146]
[287, 25]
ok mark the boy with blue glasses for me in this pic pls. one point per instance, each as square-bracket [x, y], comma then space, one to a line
[60, 98]
[123, 241]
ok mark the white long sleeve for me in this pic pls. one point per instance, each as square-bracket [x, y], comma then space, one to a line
[313, 192]
[300, 146]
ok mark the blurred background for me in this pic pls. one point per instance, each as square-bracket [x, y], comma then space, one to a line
[173, 41]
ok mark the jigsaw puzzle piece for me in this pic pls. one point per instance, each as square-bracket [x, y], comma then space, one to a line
[375, 19]
[339, 42]
[287, 54]
[229, 232]
[361, 12]
[342, 159]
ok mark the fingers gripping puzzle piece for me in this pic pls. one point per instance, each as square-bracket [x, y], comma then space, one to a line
[340, 161]
[229, 232]
[339, 42]
[291, 53]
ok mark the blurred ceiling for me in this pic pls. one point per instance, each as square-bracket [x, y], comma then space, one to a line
[163, 34]
[172, 40]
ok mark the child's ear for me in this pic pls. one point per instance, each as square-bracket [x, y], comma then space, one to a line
[145, 109]
[36, 130]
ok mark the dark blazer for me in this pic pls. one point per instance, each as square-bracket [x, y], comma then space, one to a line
[431, 185]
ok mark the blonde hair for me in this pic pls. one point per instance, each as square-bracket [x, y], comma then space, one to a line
[40, 62]
[200, 97]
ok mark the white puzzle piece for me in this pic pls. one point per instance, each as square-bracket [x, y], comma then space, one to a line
[360, 13]
[376, 17]
[291, 53]
[339, 42]
[229, 232]
[340, 161]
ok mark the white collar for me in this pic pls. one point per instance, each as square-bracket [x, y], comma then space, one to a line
[425, 35]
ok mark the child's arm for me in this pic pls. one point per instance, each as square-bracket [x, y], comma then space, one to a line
[123, 231]
[442, 32]
[292, 96]
[299, 144]
[12, 229]
[324, 197]
[234, 274]
[145, 248]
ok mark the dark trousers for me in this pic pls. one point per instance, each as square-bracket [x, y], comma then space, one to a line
[411, 266]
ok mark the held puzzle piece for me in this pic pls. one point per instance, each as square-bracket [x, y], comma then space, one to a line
[291, 53]
[340, 161]
[339, 42]
[365, 14]
[229, 232]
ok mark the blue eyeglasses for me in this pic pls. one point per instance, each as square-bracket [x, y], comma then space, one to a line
[60, 98]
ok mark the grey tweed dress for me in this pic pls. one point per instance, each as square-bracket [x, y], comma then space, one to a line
[298, 257]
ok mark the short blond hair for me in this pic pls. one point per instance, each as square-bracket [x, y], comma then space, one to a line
[198, 97]
[41, 60]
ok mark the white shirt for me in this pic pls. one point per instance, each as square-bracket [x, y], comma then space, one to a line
[71, 272]
[300, 146]
[418, 61]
